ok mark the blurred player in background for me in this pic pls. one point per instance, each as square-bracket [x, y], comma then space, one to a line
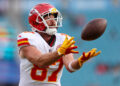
[43, 52]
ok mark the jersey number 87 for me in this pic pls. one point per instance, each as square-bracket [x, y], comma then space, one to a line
[43, 76]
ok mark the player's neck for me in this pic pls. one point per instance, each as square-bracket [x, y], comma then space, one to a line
[45, 36]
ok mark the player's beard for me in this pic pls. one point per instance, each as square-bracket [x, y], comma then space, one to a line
[52, 31]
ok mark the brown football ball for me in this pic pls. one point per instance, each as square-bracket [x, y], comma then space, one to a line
[94, 29]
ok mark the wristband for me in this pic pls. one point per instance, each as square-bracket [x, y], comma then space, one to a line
[71, 68]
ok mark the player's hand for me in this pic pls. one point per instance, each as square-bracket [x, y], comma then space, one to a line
[86, 56]
[67, 47]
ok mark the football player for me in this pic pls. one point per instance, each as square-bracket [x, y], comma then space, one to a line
[44, 52]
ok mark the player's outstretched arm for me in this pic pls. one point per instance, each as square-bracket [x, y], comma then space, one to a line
[73, 65]
[43, 60]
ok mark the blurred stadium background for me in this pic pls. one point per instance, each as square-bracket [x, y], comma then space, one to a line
[104, 70]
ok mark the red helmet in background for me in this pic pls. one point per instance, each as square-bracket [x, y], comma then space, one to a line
[37, 21]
